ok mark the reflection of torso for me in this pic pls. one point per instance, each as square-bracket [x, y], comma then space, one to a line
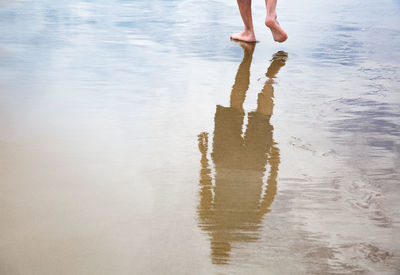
[240, 165]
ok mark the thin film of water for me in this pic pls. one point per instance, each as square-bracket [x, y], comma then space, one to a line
[136, 138]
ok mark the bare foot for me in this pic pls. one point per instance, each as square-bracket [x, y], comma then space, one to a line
[246, 36]
[277, 32]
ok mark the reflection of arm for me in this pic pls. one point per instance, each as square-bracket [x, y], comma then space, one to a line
[271, 188]
[205, 179]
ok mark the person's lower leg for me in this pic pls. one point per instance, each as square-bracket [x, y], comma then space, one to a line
[278, 33]
[271, 9]
[245, 12]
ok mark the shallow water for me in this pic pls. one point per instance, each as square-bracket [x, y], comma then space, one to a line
[137, 139]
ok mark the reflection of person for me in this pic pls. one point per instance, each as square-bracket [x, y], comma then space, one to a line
[271, 22]
[231, 209]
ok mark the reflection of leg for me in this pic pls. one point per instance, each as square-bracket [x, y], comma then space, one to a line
[247, 34]
[277, 62]
[277, 32]
[265, 102]
[242, 79]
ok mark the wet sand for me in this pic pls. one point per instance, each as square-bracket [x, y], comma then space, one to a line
[124, 150]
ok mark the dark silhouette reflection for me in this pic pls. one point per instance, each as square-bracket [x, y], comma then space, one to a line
[231, 209]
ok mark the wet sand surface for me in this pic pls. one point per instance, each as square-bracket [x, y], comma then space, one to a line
[137, 139]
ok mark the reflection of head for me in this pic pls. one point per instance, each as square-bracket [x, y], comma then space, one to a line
[232, 208]
[220, 249]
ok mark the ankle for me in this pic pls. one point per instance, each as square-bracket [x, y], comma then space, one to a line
[271, 17]
[248, 30]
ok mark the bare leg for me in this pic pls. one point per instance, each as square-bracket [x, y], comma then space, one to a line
[277, 32]
[247, 34]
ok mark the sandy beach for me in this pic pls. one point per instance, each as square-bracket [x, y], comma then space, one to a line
[136, 138]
